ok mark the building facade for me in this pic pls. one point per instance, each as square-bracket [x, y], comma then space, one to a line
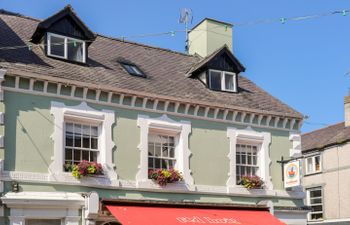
[326, 168]
[69, 95]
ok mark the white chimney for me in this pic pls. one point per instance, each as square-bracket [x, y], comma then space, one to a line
[347, 110]
[208, 36]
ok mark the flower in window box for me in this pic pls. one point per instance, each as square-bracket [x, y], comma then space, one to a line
[252, 182]
[86, 168]
[164, 176]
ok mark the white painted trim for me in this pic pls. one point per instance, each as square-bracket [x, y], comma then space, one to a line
[181, 129]
[222, 79]
[104, 183]
[263, 139]
[49, 35]
[105, 119]
[44, 205]
[295, 151]
[144, 109]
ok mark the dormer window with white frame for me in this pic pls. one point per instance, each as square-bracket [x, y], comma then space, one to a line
[222, 80]
[68, 48]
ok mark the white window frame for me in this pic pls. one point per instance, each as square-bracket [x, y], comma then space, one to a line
[258, 148]
[307, 172]
[83, 113]
[248, 135]
[223, 77]
[49, 35]
[181, 130]
[308, 202]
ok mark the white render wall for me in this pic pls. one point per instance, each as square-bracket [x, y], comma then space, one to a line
[335, 180]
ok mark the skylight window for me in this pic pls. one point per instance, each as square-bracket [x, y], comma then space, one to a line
[66, 48]
[133, 70]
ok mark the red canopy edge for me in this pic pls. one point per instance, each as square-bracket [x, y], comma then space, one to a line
[144, 215]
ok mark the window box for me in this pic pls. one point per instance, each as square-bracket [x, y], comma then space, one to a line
[252, 182]
[164, 176]
[84, 169]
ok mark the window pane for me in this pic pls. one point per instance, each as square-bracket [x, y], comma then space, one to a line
[57, 46]
[85, 155]
[215, 80]
[172, 152]
[151, 149]
[157, 163]
[68, 154]
[150, 163]
[165, 151]
[316, 216]
[94, 144]
[77, 155]
[93, 156]
[229, 82]
[317, 208]
[157, 150]
[309, 165]
[315, 193]
[75, 50]
[316, 200]
[317, 164]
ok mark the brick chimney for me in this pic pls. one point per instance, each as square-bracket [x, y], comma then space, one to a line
[208, 36]
[347, 110]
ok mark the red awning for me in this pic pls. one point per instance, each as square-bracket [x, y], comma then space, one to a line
[137, 215]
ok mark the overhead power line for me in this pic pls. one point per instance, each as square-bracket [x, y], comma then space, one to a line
[281, 20]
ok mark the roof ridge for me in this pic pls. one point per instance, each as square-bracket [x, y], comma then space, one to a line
[6, 12]
[144, 45]
[323, 128]
[10, 13]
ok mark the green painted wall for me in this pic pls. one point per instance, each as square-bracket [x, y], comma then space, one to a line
[28, 127]
[129, 194]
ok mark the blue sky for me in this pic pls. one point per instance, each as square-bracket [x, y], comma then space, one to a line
[302, 63]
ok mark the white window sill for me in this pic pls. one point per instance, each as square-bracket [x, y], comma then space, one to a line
[313, 173]
[85, 181]
[240, 190]
[177, 186]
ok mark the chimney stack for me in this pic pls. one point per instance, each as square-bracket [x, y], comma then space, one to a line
[347, 110]
[208, 36]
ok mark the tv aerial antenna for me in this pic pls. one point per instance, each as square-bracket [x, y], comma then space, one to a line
[186, 17]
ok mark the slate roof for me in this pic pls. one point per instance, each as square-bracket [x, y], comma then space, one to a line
[165, 69]
[325, 137]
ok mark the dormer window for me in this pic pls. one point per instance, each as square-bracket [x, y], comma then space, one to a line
[66, 48]
[222, 81]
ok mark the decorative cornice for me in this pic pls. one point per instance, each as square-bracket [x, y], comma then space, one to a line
[156, 104]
